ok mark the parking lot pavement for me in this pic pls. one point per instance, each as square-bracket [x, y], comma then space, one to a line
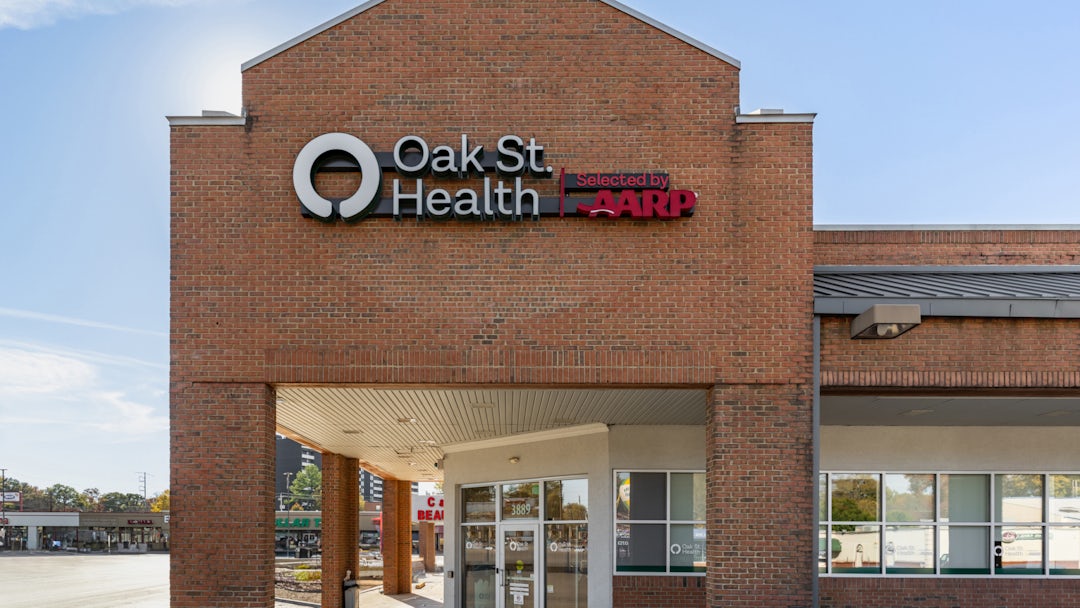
[71, 580]
[68, 580]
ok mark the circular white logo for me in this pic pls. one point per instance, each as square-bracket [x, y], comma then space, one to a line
[356, 206]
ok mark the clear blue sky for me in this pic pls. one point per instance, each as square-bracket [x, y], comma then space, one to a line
[962, 112]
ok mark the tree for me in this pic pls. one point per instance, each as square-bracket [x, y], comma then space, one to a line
[90, 500]
[160, 502]
[306, 488]
[116, 502]
[63, 498]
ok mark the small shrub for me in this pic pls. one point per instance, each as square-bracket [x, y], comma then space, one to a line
[304, 566]
[309, 576]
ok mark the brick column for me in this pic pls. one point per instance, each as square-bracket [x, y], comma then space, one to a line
[761, 536]
[427, 545]
[397, 537]
[222, 462]
[340, 524]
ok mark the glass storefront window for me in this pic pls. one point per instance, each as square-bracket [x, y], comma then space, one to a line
[855, 497]
[909, 498]
[823, 549]
[965, 498]
[566, 500]
[1065, 498]
[478, 504]
[688, 496]
[660, 522]
[860, 549]
[909, 549]
[521, 500]
[823, 497]
[566, 565]
[1018, 498]
[687, 547]
[478, 580]
[964, 549]
[1065, 550]
[1018, 550]
[641, 496]
[640, 547]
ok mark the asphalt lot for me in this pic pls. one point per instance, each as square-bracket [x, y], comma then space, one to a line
[70, 580]
[67, 580]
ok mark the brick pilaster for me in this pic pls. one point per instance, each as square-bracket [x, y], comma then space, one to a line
[397, 537]
[222, 449]
[760, 496]
[340, 524]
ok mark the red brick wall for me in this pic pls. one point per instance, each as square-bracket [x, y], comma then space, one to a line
[658, 591]
[948, 593]
[955, 354]
[222, 491]
[946, 247]
[760, 509]
[262, 295]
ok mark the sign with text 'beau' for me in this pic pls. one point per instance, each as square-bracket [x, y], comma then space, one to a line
[428, 508]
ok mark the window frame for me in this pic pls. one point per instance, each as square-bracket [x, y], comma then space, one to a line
[992, 527]
[667, 522]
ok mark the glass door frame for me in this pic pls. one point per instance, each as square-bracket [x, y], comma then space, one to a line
[501, 577]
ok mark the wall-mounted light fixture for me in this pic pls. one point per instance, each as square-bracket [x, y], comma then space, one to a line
[885, 321]
[514, 460]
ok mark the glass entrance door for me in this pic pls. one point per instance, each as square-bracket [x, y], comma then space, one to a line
[517, 561]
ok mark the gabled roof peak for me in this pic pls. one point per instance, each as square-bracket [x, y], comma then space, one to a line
[373, 3]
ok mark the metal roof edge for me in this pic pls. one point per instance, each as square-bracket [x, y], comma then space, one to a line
[674, 32]
[372, 3]
[991, 308]
[980, 269]
[206, 121]
[775, 118]
[315, 31]
[937, 227]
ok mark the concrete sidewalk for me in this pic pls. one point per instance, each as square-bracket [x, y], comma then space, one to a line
[429, 595]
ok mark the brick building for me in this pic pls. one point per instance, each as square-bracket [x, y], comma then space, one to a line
[614, 333]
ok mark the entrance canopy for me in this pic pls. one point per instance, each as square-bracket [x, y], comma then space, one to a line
[401, 433]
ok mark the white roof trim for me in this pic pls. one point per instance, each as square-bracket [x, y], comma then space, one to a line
[673, 32]
[774, 118]
[931, 227]
[206, 121]
[498, 442]
[372, 3]
[315, 31]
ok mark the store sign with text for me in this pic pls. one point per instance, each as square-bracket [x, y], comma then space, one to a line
[501, 186]
[428, 508]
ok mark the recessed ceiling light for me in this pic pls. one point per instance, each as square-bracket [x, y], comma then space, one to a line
[407, 420]
[917, 412]
[350, 431]
[428, 442]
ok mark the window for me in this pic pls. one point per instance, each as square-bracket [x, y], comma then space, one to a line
[660, 522]
[1012, 524]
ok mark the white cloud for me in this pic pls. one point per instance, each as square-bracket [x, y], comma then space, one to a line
[28, 14]
[24, 372]
[48, 388]
[127, 419]
[40, 316]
